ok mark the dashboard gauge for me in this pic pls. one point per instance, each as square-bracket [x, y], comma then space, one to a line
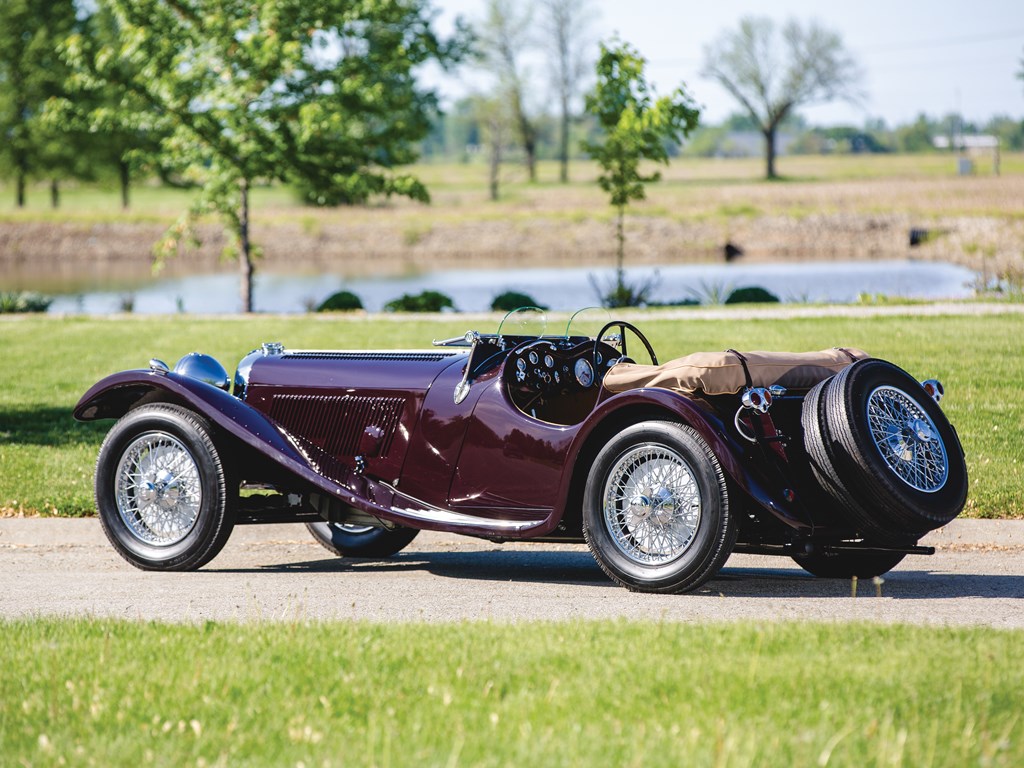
[549, 361]
[521, 365]
[597, 358]
[584, 372]
[558, 379]
[534, 358]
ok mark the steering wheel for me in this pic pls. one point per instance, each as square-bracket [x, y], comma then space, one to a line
[623, 326]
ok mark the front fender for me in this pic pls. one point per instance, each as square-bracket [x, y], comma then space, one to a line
[642, 404]
[115, 395]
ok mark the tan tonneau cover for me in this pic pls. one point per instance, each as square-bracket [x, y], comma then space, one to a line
[721, 373]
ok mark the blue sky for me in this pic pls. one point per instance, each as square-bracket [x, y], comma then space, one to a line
[934, 57]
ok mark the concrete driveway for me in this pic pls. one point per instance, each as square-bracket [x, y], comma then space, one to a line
[66, 568]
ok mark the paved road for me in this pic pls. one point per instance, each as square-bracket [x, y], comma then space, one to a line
[66, 567]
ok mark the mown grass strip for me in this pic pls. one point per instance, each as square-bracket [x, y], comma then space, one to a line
[85, 692]
[46, 458]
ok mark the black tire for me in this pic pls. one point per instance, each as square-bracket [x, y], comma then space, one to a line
[846, 565]
[684, 513]
[162, 490]
[885, 452]
[361, 541]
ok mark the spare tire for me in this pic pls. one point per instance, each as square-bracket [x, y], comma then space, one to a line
[884, 450]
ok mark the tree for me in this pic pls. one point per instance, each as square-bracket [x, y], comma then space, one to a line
[636, 127]
[503, 39]
[770, 77]
[123, 137]
[31, 73]
[316, 94]
[565, 30]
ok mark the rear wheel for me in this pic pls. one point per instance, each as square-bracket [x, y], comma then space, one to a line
[656, 509]
[347, 540]
[162, 491]
[845, 565]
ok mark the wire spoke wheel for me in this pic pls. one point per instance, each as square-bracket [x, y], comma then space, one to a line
[652, 505]
[158, 489]
[656, 508]
[884, 451]
[907, 439]
[165, 498]
[358, 540]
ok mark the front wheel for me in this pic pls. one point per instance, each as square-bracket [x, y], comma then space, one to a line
[345, 540]
[162, 491]
[656, 509]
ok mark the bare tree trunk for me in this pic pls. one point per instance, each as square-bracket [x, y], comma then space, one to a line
[54, 193]
[769, 152]
[21, 189]
[620, 237]
[245, 256]
[125, 170]
[563, 143]
[494, 170]
[529, 139]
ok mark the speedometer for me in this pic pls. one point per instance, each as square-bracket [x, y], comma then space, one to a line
[584, 372]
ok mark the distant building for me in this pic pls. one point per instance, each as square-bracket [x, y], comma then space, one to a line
[969, 146]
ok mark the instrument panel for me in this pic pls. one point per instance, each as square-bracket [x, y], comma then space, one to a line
[547, 367]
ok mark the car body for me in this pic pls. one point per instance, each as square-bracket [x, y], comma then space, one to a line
[837, 460]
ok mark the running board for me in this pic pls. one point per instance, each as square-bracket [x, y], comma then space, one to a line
[430, 514]
[789, 550]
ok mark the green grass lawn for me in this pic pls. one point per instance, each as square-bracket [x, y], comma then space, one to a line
[46, 458]
[78, 692]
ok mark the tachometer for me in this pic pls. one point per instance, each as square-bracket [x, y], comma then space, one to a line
[584, 372]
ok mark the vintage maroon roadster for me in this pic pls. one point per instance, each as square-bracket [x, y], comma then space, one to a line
[838, 460]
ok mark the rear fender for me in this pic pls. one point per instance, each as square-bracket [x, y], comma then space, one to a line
[654, 403]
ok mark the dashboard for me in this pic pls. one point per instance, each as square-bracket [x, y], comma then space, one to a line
[554, 367]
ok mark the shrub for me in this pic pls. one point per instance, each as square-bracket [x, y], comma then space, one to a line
[510, 300]
[623, 293]
[342, 301]
[23, 301]
[752, 295]
[427, 301]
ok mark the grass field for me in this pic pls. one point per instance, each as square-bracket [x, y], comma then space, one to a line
[46, 459]
[76, 692]
[691, 191]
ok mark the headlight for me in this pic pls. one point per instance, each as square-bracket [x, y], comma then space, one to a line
[203, 368]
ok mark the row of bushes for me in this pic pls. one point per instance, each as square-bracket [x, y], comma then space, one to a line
[435, 301]
[426, 301]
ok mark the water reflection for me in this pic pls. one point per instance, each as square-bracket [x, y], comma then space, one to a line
[560, 289]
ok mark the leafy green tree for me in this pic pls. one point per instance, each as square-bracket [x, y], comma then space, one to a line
[122, 137]
[770, 77]
[320, 94]
[636, 127]
[31, 73]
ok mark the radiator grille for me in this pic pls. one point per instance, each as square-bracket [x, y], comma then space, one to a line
[336, 423]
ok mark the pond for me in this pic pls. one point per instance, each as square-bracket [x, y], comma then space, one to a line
[560, 289]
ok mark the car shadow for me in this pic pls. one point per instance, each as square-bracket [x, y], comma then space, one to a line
[901, 584]
[537, 566]
[503, 565]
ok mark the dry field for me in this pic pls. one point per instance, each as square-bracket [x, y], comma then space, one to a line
[826, 208]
